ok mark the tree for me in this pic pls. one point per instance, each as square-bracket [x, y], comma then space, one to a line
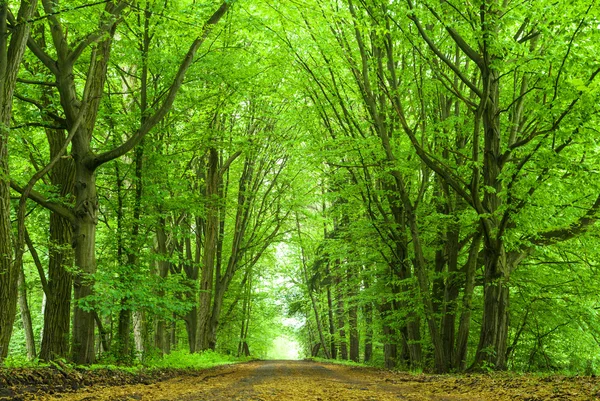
[13, 43]
[80, 115]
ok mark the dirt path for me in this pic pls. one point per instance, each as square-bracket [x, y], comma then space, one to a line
[310, 381]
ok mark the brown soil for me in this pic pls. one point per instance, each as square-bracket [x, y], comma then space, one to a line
[311, 381]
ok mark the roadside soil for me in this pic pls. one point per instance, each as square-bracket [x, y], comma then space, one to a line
[312, 381]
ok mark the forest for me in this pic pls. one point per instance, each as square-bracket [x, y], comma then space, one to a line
[408, 184]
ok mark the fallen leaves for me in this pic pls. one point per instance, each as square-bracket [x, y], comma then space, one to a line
[310, 381]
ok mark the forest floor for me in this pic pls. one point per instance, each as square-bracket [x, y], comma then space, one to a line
[313, 381]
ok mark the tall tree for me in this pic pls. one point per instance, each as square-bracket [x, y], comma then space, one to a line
[13, 41]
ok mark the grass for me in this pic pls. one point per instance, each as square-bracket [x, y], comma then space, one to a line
[175, 360]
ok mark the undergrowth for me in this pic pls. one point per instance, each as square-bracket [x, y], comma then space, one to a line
[175, 360]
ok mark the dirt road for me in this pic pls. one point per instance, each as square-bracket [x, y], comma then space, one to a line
[310, 381]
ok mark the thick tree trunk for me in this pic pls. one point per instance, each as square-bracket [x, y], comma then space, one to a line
[215, 316]
[160, 335]
[139, 333]
[390, 347]
[400, 270]
[493, 340]
[8, 273]
[86, 219]
[12, 48]
[412, 330]
[452, 287]
[124, 332]
[57, 313]
[191, 325]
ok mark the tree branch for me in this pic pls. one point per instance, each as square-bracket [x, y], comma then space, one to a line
[170, 98]
[38, 263]
[38, 198]
[33, 82]
[228, 162]
[575, 229]
[96, 35]
[442, 57]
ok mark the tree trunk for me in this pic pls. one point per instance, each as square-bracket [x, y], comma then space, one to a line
[57, 313]
[161, 339]
[390, 349]
[493, 340]
[341, 318]
[174, 343]
[86, 218]
[139, 333]
[243, 345]
[452, 287]
[400, 270]
[124, 325]
[353, 314]
[368, 314]
[462, 339]
[26, 315]
[333, 348]
[210, 248]
[191, 325]
[123, 333]
[11, 55]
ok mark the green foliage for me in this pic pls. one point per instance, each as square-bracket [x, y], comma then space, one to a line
[313, 106]
[19, 360]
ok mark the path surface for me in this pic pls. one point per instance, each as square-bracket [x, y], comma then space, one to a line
[306, 381]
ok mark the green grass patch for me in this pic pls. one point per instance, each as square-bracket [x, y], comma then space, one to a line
[338, 362]
[175, 360]
[185, 360]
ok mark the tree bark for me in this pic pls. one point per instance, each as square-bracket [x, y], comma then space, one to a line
[390, 348]
[26, 315]
[86, 214]
[210, 247]
[11, 55]
[340, 314]
[139, 333]
[57, 313]
[330, 312]
[493, 339]
[467, 305]
[368, 314]
[161, 339]
[353, 314]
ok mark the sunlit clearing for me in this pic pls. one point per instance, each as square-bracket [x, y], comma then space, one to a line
[284, 348]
